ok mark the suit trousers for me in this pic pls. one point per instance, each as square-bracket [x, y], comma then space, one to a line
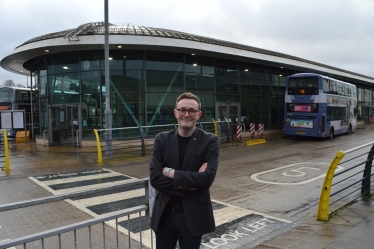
[172, 228]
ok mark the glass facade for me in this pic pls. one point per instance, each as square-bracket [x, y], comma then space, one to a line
[145, 84]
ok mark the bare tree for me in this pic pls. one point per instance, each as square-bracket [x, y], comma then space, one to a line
[20, 85]
[9, 83]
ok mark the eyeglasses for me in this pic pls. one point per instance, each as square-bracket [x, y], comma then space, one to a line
[183, 112]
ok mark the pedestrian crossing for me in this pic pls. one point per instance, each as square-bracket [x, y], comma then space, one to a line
[235, 226]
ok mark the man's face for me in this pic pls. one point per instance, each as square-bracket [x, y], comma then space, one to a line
[187, 120]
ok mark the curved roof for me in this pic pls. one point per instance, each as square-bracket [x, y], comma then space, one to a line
[97, 28]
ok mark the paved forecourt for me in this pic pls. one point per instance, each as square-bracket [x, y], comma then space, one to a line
[235, 226]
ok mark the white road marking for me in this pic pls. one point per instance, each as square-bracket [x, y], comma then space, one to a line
[79, 178]
[298, 171]
[111, 197]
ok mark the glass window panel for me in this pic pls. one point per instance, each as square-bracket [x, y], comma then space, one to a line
[269, 90]
[250, 87]
[64, 88]
[162, 61]
[160, 107]
[90, 60]
[227, 98]
[208, 83]
[226, 68]
[43, 85]
[161, 81]
[207, 106]
[228, 85]
[199, 64]
[193, 82]
[63, 63]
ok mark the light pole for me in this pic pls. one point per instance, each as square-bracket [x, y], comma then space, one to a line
[108, 111]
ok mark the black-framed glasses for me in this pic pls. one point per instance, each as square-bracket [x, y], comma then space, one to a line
[191, 112]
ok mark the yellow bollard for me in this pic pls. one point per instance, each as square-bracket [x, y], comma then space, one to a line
[6, 152]
[215, 127]
[324, 200]
[99, 154]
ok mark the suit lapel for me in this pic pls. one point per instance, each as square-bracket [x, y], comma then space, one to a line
[190, 147]
[174, 149]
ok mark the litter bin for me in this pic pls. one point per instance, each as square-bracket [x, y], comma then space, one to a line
[22, 136]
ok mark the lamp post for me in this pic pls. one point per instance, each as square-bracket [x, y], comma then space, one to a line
[108, 111]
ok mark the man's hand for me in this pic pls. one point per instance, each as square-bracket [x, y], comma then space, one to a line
[203, 167]
[169, 174]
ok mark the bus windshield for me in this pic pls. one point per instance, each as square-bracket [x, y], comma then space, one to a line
[6, 95]
[303, 86]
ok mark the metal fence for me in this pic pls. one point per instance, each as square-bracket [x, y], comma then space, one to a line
[113, 230]
[351, 177]
[132, 142]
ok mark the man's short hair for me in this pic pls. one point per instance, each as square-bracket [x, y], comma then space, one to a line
[188, 95]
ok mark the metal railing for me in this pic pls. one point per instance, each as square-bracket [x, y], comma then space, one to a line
[352, 179]
[132, 142]
[105, 230]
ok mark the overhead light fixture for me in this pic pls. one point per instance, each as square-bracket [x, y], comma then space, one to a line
[280, 75]
[47, 50]
[110, 58]
[194, 64]
[281, 67]
[192, 54]
[246, 70]
[124, 56]
[119, 46]
[65, 67]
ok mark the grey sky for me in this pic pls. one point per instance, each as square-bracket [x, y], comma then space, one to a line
[338, 33]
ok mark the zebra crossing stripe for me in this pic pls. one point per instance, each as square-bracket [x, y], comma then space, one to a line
[109, 198]
[78, 178]
[72, 174]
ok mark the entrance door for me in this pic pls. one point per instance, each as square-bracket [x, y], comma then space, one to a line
[54, 126]
[228, 111]
[65, 124]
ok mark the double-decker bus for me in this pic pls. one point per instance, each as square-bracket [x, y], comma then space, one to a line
[319, 106]
[18, 98]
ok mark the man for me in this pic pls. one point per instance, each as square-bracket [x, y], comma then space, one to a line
[183, 167]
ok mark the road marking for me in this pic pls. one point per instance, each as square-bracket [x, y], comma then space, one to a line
[236, 226]
[298, 172]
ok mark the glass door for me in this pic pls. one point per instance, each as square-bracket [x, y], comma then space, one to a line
[65, 124]
[229, 111]
[54, 126]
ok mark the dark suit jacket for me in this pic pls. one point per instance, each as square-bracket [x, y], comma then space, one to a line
[202, 147]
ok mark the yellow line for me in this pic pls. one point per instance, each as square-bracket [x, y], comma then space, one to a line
[257, 141]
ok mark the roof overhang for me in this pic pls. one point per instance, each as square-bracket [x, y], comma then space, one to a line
[15, 61]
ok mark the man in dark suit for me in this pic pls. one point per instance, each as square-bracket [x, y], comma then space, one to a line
[183, 167]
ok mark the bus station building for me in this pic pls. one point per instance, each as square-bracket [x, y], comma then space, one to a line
[150, 67]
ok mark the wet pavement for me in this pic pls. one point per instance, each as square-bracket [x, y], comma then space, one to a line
[351, 227]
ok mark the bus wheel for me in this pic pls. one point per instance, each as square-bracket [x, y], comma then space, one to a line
[331, 133]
